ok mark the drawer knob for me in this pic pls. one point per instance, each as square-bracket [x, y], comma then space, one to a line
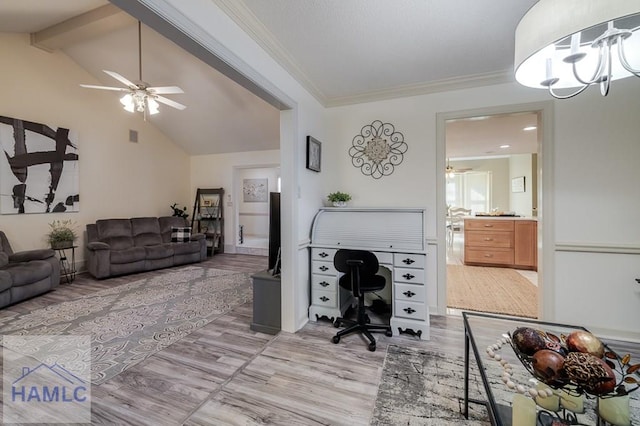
[488, 255]
[488, 239]
[323, 254]
[488, 225]
[409, 293]
[323, 268]
[408, 261]
[409, 310]
[324, 298]
[324, 283]
[409, 276]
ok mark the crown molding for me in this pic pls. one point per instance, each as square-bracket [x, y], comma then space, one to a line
[456, 83]
[238, 11]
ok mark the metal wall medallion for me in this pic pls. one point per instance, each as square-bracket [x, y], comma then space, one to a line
[378, 149]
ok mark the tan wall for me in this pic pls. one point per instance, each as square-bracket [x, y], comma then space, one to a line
[117, 178]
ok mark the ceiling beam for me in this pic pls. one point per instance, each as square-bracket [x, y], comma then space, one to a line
[94, 23]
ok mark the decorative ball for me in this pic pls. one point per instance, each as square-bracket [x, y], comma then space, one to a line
[590, 372]
[585, 342]
[548, 365]
[528, 340]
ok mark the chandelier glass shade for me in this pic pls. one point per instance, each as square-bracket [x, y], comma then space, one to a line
[565, 46]
[138, 101]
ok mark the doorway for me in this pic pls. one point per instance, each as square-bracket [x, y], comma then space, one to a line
[479, 163]
[251, 188]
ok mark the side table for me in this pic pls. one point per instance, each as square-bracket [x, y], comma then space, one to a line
[67, 266]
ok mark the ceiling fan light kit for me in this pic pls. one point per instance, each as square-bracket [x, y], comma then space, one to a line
[140, 97]
[573, 44]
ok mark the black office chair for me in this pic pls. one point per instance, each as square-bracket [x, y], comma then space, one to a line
[360, 277]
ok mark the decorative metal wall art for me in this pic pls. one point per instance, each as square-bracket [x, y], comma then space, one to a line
[378, 149]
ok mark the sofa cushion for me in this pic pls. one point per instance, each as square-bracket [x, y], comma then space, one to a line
[146, 231]
[180, 234]
[132, 254]
[186, 248]
[28, 272]
[160, 251]
[115, 232]
[5, 280]
[4, 259]
[168, 222]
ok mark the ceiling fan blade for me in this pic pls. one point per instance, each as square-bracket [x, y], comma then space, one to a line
[165, 90]
[122, 80]
[91, 86]
[169, 102]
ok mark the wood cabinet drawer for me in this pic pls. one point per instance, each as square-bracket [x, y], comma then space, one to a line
[324, 298]
[323, 254]
[488, 239]
[409, 260]
[320, 267]
[411, 310]
[497, 256]
[488, 224]
[408, 275]
[324, 282]
[409, 292]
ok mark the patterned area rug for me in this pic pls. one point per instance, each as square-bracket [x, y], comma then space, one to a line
[130, 322]
[420, 387]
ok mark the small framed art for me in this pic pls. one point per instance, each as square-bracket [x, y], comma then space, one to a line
[314, 154]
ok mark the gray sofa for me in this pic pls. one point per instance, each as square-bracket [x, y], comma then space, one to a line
[125, 246]
[26, 273]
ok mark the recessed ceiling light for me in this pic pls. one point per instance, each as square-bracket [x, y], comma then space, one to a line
[528, 128]
[505, 146]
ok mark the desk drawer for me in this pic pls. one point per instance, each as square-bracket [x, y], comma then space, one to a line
[408, 275]
[324, 298]
[323, 254]
[411, 310]
[488, 239]
[407, 260]
[384, 258]
[324, 282]
[321, 267]
[409, 292]
[497, 256]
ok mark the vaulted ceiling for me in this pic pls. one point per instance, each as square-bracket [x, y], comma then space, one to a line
[341, 51]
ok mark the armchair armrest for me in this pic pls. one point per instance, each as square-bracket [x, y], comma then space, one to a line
[98, 245]
[196, 237]
[28, 255]
[4, 259]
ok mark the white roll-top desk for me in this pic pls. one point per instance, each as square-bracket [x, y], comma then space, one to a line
[396, 237]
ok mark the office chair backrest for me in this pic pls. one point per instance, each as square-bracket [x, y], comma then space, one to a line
[369, 261]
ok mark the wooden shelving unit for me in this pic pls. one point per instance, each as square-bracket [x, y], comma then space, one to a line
[208, 218]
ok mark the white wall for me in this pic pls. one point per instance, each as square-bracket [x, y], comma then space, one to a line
[499, 168]
[521, 202]
[117, 178]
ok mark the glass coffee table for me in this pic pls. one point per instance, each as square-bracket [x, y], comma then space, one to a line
[485, 335]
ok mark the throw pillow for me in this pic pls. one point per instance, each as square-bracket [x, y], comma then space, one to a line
[180, 235]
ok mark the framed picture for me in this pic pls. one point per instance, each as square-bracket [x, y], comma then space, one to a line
[314, 154]
[517, 184]
[255, 190]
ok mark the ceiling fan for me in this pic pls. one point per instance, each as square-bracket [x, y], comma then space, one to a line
[450, 170]
[140, 96]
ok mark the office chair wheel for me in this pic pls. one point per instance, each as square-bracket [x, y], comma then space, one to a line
[388, 333]
[336, 339]
[336, 324]
[372, 347]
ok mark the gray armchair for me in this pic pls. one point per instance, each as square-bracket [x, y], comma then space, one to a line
[26, 273]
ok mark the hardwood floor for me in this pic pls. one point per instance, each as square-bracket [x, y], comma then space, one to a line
[226, 374]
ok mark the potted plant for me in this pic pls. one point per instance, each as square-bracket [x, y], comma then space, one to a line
[62, 234]
[339, 199]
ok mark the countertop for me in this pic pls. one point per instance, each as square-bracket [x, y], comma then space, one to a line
[502, 218]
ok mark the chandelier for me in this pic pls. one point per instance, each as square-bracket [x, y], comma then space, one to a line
[573, 44]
